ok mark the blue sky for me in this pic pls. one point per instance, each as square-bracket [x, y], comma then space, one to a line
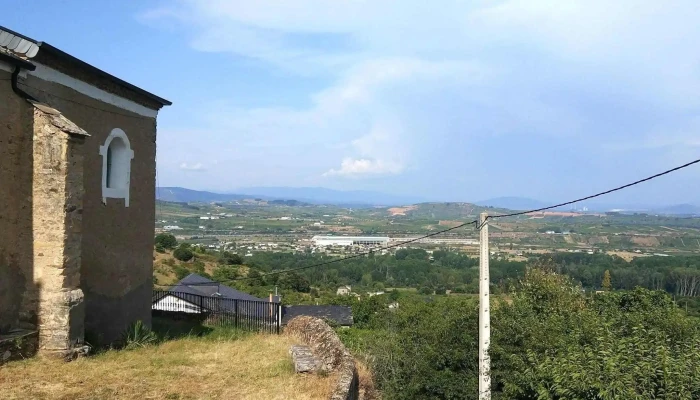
[453, 100]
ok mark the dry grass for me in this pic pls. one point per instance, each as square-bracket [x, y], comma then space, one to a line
[253, 367]
[648, 241]
[401, 210]
[367, 389]
[626, 255]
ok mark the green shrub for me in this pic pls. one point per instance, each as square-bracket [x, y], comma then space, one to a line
[183, 253]
[180, 271]
[166, 241]
[138, 335]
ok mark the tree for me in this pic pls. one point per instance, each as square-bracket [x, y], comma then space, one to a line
[230, 259]
[607, 284]
[180, 272]
[255, 278]
[225, 273]
[166, 241]
[183, 253]
[294, 282]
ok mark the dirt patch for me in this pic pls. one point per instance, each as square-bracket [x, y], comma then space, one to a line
[648, 241]
[344, 229]
[401, 210]
[450, 224]
[598, 240]
[626, 255]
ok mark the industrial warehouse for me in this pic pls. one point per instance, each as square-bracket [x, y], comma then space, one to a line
[383, 240]
[350, 240]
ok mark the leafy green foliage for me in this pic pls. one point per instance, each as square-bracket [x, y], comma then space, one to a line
[255, 278]
[183, 253]
[229, 258]
[550, 340]
[225, 273]
[165, 241]
[607, 284]
[181, 272]
[138, 335]
[294, 282]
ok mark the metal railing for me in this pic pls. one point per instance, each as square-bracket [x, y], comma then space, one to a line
[259, 316]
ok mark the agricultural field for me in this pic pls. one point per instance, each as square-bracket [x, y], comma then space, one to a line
[287, 223]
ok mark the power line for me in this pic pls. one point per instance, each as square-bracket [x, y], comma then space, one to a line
[475, 222]
[597, 194]
[339, 259]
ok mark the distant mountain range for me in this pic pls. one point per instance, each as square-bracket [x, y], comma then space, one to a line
[524, 203]
[357, 198]
[311, 195]
[513, 203]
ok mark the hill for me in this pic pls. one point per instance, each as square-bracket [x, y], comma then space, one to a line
[319, 195]
[183, 195]
[680, 209]
[312, 195]
[513, 203]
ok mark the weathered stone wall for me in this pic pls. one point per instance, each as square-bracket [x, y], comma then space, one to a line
[17, 287]
[117, 241]
[57, 221]
[327, 347]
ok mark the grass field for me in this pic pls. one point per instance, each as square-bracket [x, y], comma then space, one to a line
[209, 367]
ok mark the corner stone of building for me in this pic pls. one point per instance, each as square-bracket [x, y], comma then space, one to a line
[62, 325]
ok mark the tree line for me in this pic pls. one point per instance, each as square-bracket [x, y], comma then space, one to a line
[550, 340]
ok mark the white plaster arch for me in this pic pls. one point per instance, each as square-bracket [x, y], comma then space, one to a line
[116, 155]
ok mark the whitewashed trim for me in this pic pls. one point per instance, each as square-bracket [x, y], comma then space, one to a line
[51, 75]
[122, 192]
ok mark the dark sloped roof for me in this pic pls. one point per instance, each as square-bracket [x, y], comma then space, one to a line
[342, 315]
[206, 287]
[25, 47]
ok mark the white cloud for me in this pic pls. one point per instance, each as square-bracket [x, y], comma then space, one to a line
[413, 84]
[363, 167]
[192, 167]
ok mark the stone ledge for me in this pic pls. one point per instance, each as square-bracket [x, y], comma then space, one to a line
[303, 358]
[332, 354]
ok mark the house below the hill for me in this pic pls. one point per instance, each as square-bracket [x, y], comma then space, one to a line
[196, 294]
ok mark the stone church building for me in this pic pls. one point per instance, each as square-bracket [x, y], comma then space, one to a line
[77, 198]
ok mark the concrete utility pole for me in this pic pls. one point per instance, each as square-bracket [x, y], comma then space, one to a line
[484, 311]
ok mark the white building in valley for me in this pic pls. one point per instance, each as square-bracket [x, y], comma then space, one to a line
[350, 240]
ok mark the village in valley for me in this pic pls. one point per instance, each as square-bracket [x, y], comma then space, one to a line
[190, 249]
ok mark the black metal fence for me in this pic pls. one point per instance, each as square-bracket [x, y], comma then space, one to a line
[259, 316]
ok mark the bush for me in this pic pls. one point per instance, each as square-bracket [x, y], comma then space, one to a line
[551, 341]
[166, 241]
[254, 278]
[225, 273]
[294, 282]
[183, 253]
[138, 335]
[230, 259]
